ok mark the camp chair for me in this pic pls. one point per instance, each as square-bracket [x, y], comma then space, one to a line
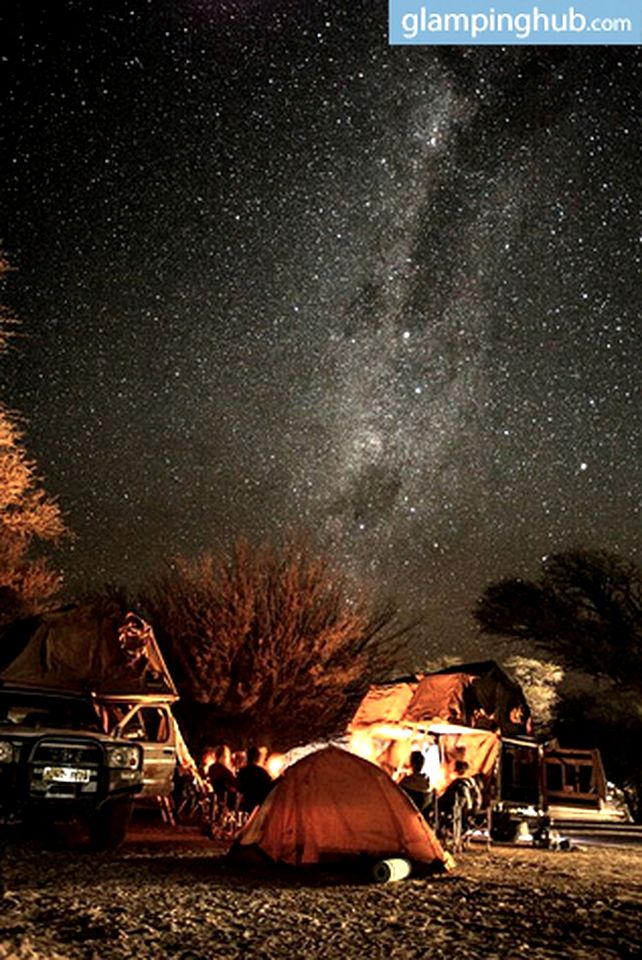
[168, 812]
[459, 823]
[479, 821]
[455, 815]
[225, 816]
[193, 804]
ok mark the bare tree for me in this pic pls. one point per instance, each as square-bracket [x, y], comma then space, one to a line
[272, 644]
[28, 516]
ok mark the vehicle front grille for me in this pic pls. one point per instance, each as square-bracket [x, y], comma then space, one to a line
[64, 769]
[76, 754]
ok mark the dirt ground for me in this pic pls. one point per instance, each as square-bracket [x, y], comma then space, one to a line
[172, 895]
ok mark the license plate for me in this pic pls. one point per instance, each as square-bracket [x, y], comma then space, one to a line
[65, 775]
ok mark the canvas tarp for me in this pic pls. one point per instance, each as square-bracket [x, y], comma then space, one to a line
[85, 649]
[479, 749]
[383, 703]
[333, 805]
[439, 696]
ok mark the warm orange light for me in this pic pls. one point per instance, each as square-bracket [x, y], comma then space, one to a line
[362, 745]
[207, 761]
[275, 764]
[389, 731]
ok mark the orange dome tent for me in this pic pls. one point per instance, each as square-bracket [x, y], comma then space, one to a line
[333, 805]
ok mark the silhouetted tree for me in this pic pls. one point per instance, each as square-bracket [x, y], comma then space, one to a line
[267, 644]
[540, 681]
[28, 516]
[585, 608]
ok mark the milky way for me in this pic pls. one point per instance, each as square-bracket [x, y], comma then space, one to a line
[276, 276]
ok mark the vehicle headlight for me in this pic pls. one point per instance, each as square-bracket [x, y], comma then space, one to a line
[128, 758]
[6, 752]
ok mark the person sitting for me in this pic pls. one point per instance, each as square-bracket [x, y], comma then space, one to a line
[417, 784]
[253, 781]
[470, 792]
[460, 801]
[220, 775]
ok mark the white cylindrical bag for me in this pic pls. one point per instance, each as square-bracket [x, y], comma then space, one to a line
[388, 870]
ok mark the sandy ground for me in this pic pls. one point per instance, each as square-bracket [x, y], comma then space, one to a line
[172, 895]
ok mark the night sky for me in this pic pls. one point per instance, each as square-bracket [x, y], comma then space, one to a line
[275, 276]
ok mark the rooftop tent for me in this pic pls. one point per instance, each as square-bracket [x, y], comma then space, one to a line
[472, 694]
[384, 703]
[439, 695]
[332, 806]
[488, 695]
[95, 648]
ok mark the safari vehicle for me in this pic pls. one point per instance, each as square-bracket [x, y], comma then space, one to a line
[536, 780]
[106, 661]
[57, 764]
[489, 728]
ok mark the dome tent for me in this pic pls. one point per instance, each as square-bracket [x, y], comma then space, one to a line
[333, 806]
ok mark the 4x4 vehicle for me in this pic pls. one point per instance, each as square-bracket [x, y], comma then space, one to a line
[57, 764]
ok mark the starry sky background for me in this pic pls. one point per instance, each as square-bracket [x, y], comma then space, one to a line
[275, 275]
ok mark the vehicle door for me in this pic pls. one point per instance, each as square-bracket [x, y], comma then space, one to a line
[152, 727]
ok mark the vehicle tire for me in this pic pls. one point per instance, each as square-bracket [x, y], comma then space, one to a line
[49, 831]
[108, 826]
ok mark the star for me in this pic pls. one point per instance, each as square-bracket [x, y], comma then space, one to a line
[277, 276]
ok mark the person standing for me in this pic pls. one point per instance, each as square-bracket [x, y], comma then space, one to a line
[220, 775]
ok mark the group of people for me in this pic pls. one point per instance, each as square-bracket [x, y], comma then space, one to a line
[241, 788]
[456, 807]
[241, 783]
